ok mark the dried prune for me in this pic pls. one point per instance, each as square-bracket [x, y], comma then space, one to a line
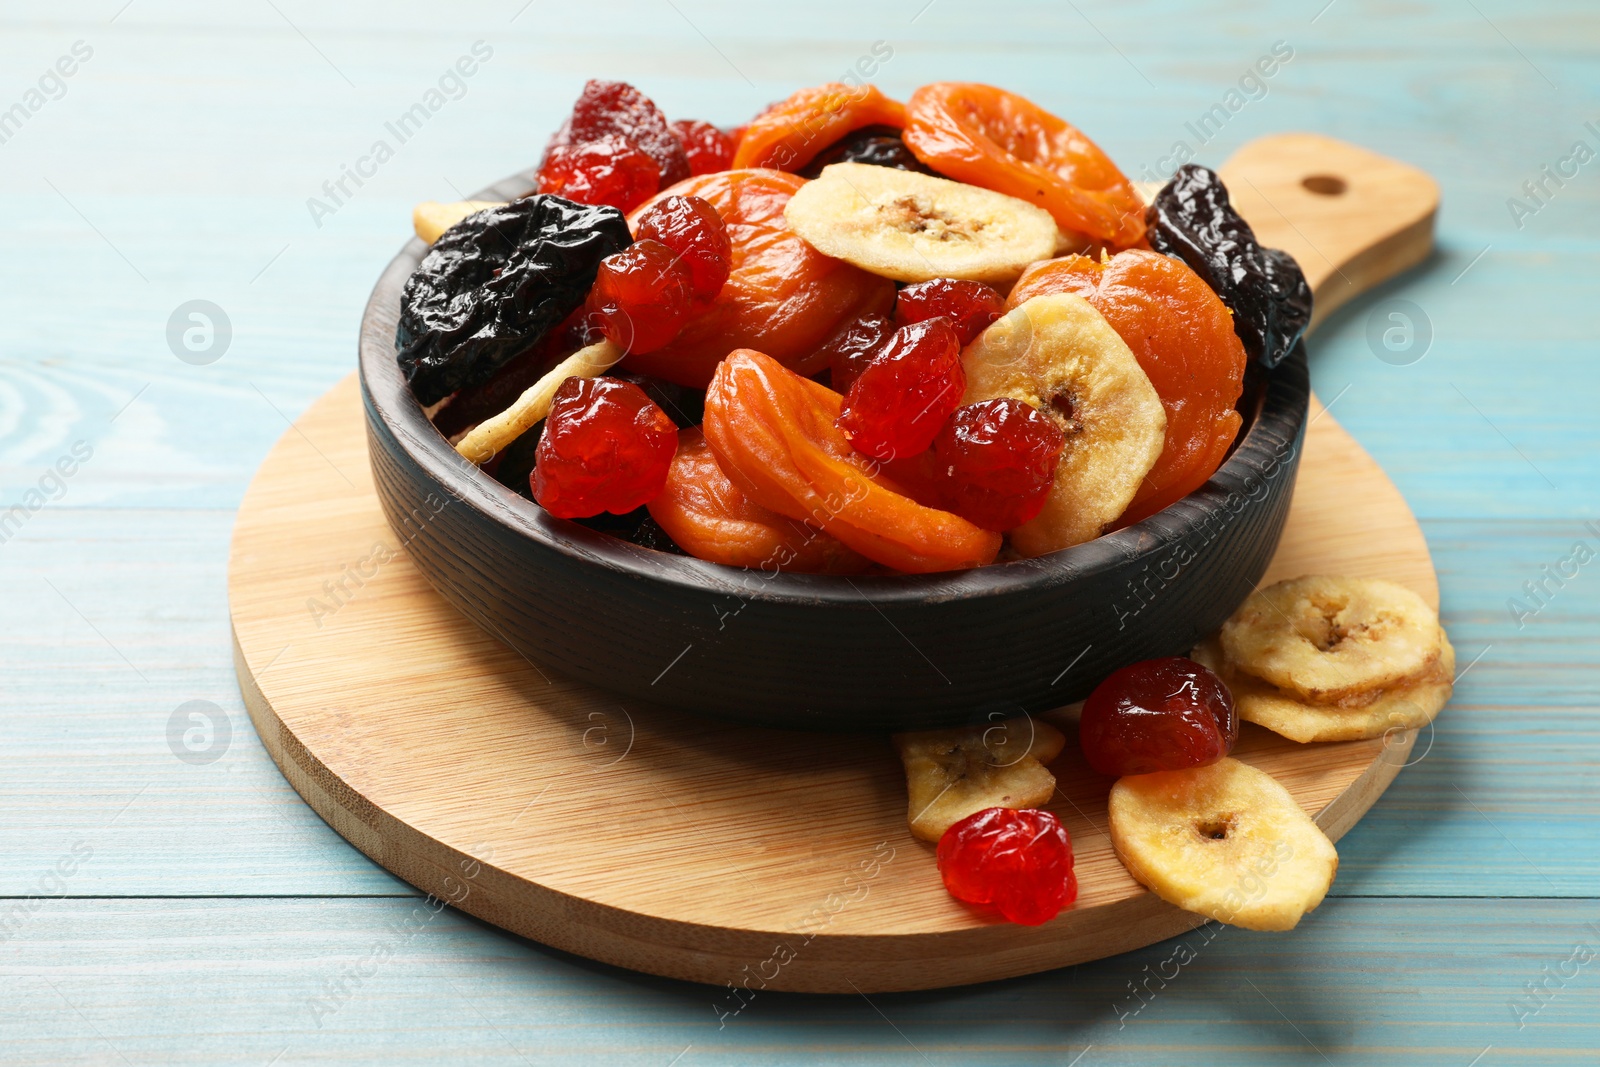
[879, 146]
[789, 133]
[606, 108]
[495, 284]
[1191, 218]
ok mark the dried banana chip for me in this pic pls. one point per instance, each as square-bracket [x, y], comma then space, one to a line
[1400, 708]
[951, 774]
[913, 227]
[1224, 840]
[1333, 640]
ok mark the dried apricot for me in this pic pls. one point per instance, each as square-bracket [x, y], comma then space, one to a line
[782, 296]
[789, 133]
[774, 435]
[998, 140]
[711, 519]
[1183, 337]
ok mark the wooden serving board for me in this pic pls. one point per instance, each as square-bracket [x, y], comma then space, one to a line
[747, 858]
[655, 840]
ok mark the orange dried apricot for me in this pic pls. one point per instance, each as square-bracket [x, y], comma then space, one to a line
[782, 296]
[998, 140]
[789, 133]
[709, 518]
[1183, 337]
[773, 434]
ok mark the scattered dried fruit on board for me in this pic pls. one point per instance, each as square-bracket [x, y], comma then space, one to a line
[1157, 715]
[951, 774]
[1018, 862]
[1333, 639]
[1397, 708]
[1224, 840]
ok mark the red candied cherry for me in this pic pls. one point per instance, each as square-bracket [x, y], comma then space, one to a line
[997, 460]
[898, 403]
[1018, 862]
[611, 171]
[970, 306]
[641, 296]
[1157, 715]
[605, 447]
[852, 347]
[696, 234]
[709, 149]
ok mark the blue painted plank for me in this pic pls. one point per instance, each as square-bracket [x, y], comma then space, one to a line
[385, 982]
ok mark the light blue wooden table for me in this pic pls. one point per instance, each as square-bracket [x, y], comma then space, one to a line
[163, 911]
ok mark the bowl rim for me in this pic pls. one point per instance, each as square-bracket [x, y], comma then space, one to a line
[1278, 417]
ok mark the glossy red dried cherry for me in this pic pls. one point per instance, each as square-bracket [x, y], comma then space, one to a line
[970, 306]
[695, 233]
[641, 296]
[708, 148]
[1158, 715]
[898, 403]
[607, 171]
[997, 460]
[605, 447]
[617, 109]
[1018, 862]
[848, 351]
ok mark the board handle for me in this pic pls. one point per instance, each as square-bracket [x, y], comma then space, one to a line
[1351, 218]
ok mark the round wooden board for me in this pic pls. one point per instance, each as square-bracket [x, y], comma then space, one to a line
[656, 840]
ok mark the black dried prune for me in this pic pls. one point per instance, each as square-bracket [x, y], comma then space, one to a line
[879, 146]
[1191, 218]
[497, 282]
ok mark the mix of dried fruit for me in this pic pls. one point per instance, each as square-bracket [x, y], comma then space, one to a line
[859, 336]
[994, 360]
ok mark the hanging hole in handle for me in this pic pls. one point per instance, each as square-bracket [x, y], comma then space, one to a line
[1324, 184]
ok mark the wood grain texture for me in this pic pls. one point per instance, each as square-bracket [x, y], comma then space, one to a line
[656, 840]
[192, 140]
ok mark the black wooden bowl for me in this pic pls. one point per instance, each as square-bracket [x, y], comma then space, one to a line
[815, 651]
